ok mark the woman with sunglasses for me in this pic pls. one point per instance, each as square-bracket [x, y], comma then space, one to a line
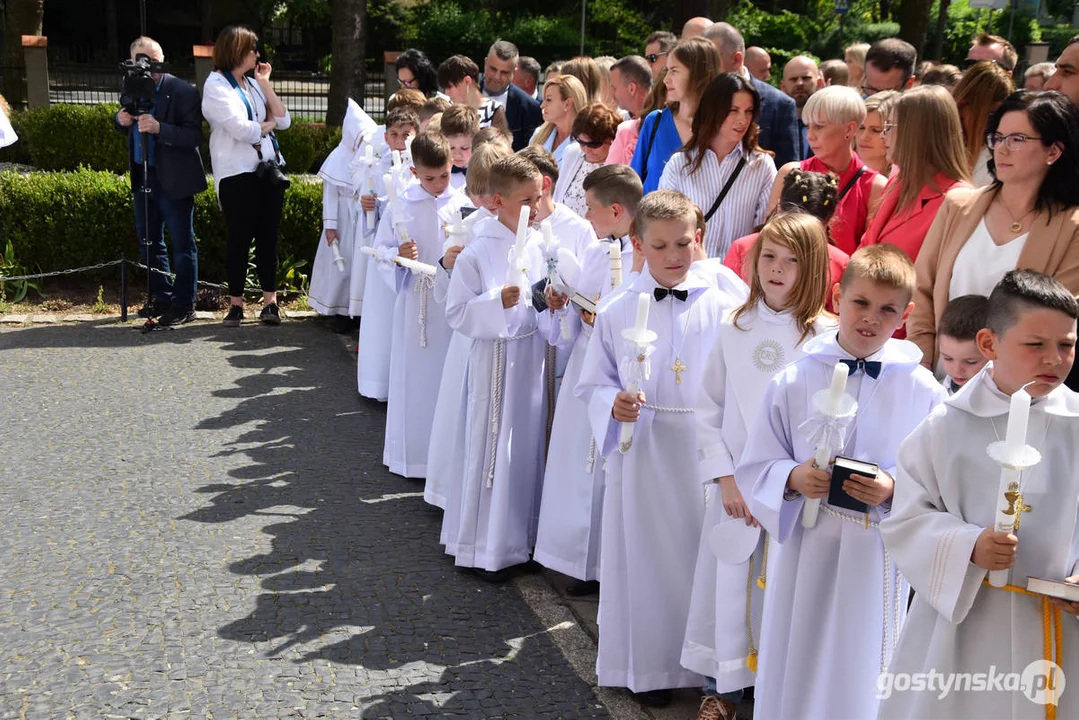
[593, 132]
[1027, 218]
[978, 94]
[721, 167]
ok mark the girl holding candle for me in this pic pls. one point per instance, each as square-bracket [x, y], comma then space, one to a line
[651, 529]
[835, 603]
[785, 308]
[942, 533]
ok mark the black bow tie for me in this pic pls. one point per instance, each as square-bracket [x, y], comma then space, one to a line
[461, 170]
[871, 367]
[661, 293]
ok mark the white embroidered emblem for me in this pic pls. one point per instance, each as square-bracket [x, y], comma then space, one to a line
[768, 356]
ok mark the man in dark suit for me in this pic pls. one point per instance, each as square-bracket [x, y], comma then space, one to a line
[522, 111]
[779, 116]
[172, 130]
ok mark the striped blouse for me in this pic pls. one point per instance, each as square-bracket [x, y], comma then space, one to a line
[746, 203]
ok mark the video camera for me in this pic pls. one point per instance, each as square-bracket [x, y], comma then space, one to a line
[138, 84]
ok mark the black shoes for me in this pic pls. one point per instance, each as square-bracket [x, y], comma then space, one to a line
[494, 577]
[654, 698]
[175, 316]
[235, 316]
[581, 588]
[155, 308]
[270, 314]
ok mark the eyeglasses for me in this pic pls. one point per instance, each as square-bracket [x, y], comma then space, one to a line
[1013, 142]
[591, 144]
[654, 57]
[888, 128]
[407, 83]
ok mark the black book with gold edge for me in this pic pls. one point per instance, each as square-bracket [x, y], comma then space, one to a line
[842, 469]
[585, 303]
[1053, 588]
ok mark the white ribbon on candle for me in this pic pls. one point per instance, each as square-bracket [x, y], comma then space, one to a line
[640, 339]
[835, 409]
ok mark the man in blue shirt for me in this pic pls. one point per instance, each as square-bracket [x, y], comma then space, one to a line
[172, 129]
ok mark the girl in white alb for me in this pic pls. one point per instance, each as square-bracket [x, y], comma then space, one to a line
[755, 341]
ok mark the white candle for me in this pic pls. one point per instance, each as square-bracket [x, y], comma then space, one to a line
[548, 235]
[337, 258]
[522, 228]
[837, 388]
[1018, 414]
[643, 303]
[396, 155]
[369, 156]
[615, 252]
[391, 187]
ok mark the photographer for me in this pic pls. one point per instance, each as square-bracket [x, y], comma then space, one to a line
[247, 164]
[168, 119]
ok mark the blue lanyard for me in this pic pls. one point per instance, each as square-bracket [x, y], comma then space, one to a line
[251, 116]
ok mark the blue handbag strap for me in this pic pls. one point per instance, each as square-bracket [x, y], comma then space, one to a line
[251, 116]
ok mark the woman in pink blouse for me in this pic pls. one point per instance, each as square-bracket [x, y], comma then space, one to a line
[924, 136]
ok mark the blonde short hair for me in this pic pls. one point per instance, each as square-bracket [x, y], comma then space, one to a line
[883, 264]
[665, 205]
[835, 104]
[478, 175]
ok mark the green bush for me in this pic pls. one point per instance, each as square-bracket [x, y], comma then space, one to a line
[1058, 37]
[59, 220]
[63, 137]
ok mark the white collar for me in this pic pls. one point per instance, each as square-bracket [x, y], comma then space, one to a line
[826, 348]
[981, 397]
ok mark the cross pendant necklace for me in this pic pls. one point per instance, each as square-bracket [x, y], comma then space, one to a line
[678, 367]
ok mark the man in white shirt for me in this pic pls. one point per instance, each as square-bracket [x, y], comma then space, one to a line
[522, 111]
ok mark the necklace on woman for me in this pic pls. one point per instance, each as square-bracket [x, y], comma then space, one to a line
[1017, 225]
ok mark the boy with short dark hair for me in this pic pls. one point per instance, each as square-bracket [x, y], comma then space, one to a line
[412, 229]
[942, 531]
[652, 503]
[835, 602]
[568, 534]
[459, 124]
[492, 527]
[957, 334]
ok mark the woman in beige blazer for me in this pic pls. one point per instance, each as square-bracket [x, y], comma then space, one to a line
[1028, 218]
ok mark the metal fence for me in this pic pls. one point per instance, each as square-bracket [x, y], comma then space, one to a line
[305, 94]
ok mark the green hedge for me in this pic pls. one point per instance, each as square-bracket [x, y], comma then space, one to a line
[63, 137]
[59, 220]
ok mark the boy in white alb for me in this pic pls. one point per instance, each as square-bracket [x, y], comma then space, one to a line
[942, 535]
[414, 228]
[343, 180]
[377, 299]
[652, 505]
[957, 332]
[571, 509]
[492, 527]
[834, 602]
[445, 454]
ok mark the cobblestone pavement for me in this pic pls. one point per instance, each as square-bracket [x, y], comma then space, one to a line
[197, 523]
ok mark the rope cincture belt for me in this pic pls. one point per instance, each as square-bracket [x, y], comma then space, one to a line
[498, 369]
[1052, 641]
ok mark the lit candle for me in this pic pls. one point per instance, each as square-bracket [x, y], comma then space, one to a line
[1018, 414]
[643, 303]
[615, 252]
[837, 388]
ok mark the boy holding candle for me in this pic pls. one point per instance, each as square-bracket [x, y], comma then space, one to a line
[568, 536]
[942, 530]
[412, 228]
[652, 506]
[834, 602]
[491, 526]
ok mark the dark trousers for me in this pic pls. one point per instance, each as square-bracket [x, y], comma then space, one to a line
[252, 209]
[178, 214]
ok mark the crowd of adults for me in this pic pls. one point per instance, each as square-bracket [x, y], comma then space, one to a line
[967, 174]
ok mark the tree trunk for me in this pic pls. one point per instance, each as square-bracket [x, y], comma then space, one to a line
[21, 17]
[349, 44]
[914, 22]
[942, 21]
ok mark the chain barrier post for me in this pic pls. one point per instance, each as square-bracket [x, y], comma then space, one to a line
[123, 288]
